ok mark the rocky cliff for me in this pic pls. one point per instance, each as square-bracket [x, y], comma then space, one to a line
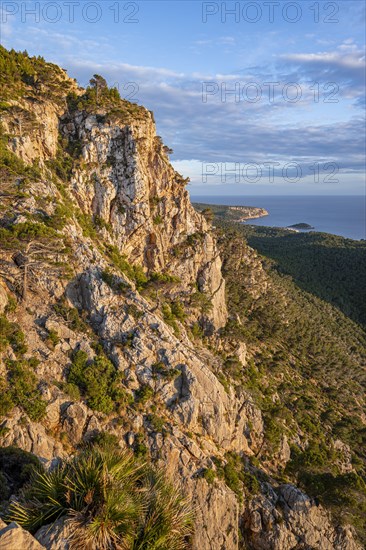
[103, 258]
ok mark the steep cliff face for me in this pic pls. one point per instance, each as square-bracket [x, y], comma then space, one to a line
[125, 179]
[114, 254]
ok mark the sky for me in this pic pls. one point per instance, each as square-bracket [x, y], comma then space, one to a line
[254, 97]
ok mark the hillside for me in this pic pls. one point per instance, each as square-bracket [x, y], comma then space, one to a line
[229, 213]
[133, 331]
[331, 267]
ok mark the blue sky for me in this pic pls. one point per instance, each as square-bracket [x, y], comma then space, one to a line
[266, 100]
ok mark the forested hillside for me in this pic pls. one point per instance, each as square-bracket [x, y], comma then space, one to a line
[331, 267]
[309, 359]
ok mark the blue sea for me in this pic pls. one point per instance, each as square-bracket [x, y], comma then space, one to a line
[340, 215]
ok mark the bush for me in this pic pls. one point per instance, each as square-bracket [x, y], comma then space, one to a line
[98, 381]
[144, 394]
[110, 500]
[133, 272]
[160, 369]
[21, 389]
[196, 330]
[156, 422]
[232, 479]
[251, 483]
[10, 334]
[53, 338]
[209, 475]
[105, 440]
[71, 390]
[70, 315]
[140, 447]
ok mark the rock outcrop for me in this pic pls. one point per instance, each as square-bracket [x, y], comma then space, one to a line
[286, 518]
[121, 198]
[13, 537]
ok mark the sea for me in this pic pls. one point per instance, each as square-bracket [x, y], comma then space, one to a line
[339, 215]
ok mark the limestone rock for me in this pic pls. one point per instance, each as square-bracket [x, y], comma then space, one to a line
[30, 436]
[14, 537]
[54, 536]
[287, 518]
[74, 420]
[217, 516]
[3, 298]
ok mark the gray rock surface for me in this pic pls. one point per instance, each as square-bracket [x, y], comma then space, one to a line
[14, 537]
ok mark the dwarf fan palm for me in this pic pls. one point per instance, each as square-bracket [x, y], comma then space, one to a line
[111, 501]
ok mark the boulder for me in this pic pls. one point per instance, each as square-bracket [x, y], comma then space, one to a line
[14, 537]
[54, 536]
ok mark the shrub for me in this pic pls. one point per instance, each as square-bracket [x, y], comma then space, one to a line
[133, 272]
[98, 381]
[108, 278]
[196, 330]
[144, 394]
[177, 310]
[105, 440]
[53, 338]
[163, 278]
[135, 312]
[157, 423]
[111, 500]
[232, 479]
[140, 448]
[21, 389]
[62, 214]
[161, 369]
[72, 391]
[70, 315]
[251, 483]
[209, 475]
[10, 334]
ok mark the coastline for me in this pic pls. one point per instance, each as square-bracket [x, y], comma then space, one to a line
[339, 215]
[238, 214]
[249, 212]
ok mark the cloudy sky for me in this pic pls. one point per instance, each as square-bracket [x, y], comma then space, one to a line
[254, 97]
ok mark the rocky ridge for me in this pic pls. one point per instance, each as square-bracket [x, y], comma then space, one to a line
[121, 179]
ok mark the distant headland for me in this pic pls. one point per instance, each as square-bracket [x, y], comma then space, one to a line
[231, 213]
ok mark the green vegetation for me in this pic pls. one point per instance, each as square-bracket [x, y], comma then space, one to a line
[140, 448]
[111, 500]
[306, 361]
[235, 474]
[11, 335]
[53, 338]
[133, 272]
[192, 241]
[160, 369]
[144, 394]
[99, 383]
[343, 493]
[12, 166]
[226, 213]
[156, 422]
[99, 95]
[20, 74]
[20, 389]
[209, 475]
[331, 267]
[71, 316]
